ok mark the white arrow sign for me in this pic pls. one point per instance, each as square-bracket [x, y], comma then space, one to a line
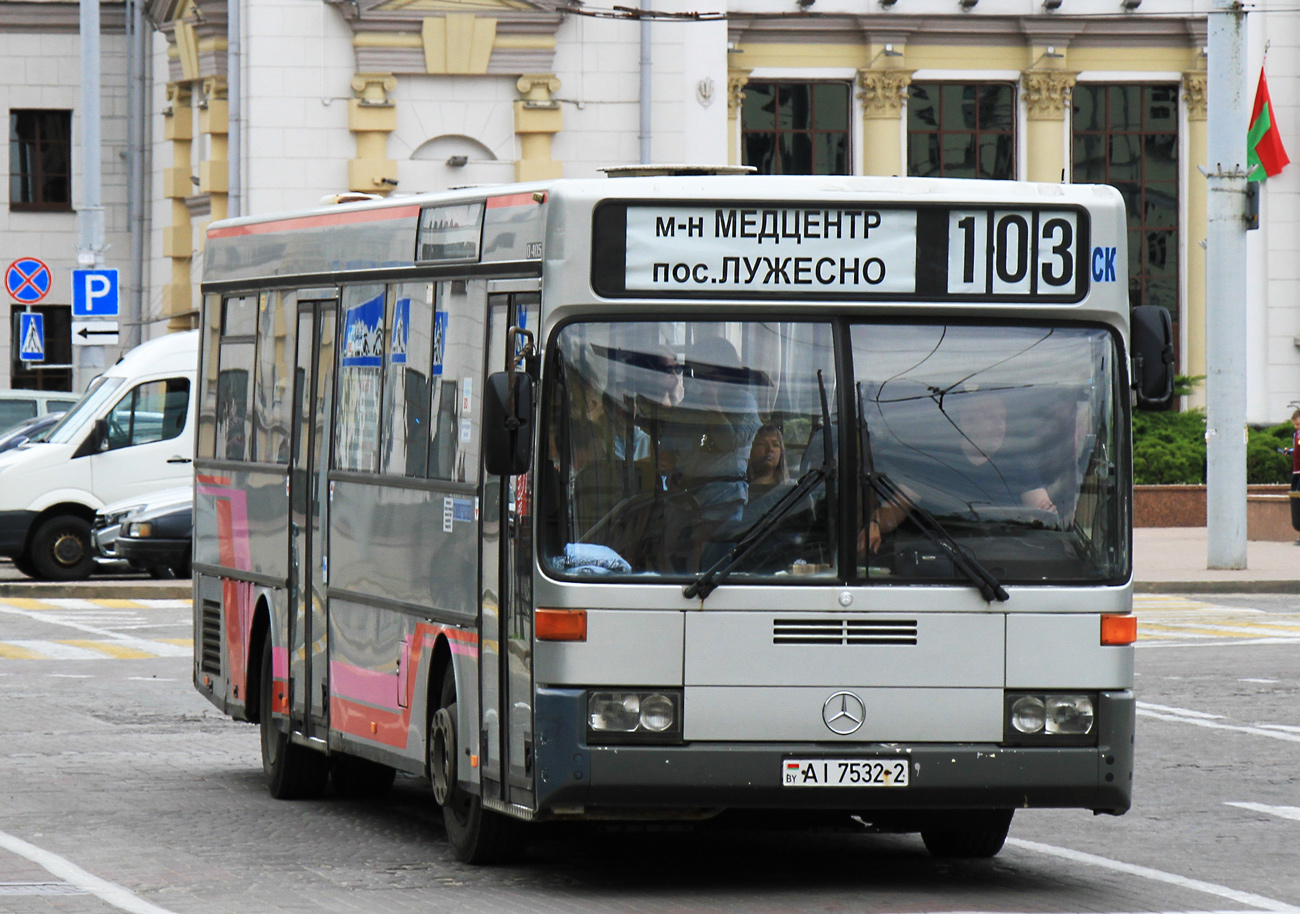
[94, 333]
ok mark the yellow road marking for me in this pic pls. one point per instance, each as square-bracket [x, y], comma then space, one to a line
[115, 603]
[120, 651]
[24, 603]
[10, 652]
[181, 642]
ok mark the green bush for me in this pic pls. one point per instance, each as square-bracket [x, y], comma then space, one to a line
[1169, 449]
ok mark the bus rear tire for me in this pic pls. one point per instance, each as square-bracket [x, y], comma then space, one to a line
[61, 549]
[477, 836]
[360, 778]
[980, 835]
[293, 772]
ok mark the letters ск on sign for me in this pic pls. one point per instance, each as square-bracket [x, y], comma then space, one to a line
[771, 248]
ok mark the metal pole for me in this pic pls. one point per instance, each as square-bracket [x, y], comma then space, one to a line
[135, 128]
[90, 214]
[234, 107]
[1225, 288]
[646, 94]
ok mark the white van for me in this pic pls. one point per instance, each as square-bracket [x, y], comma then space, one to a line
[131, 433]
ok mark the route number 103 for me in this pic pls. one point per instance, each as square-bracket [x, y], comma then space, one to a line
[1012, 252]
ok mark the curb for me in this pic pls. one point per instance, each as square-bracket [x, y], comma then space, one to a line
[183, 590]
[1281, 587]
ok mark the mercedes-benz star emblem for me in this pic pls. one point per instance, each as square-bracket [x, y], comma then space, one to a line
[844, 713]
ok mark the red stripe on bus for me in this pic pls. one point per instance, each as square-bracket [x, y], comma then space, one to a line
[321, 220]
[214, 480]
[513, 200]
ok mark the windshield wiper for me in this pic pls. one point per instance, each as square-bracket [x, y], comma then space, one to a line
[884, 491]
[708, 580]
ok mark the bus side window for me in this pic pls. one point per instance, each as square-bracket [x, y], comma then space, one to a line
[273, 383]
[457, 376]
[409, 355]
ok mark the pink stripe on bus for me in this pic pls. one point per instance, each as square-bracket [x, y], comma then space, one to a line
[320, 220]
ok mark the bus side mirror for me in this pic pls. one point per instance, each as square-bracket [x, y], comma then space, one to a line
[508, 423]
[1152, 351]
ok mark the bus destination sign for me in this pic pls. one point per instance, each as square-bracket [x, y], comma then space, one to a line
[850, 252]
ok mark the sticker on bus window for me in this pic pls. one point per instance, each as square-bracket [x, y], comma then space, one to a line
[466, 399]
[401, 323]
[439, 341]
[363, 335]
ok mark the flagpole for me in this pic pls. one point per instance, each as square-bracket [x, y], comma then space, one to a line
[1225, 284]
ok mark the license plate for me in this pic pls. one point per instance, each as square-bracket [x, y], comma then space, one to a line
[842, 772]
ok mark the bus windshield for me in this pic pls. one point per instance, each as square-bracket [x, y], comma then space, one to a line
[668, 441]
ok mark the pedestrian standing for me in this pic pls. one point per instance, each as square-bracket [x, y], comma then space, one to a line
[1294, 451]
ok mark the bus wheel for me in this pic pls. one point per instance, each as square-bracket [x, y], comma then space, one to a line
[358, 777]
[477, 835]
[292, 771]
[980, 834]
[61, 549]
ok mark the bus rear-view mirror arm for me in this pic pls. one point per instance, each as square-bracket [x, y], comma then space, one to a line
[508, 410]
[1152, 354]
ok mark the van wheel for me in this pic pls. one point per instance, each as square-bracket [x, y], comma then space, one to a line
[976, 835]
[24, 564]
[61, 549]
[477, 835]
[293, 772]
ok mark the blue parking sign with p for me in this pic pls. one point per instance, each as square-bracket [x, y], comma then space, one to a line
[31, 337]
[94, 293]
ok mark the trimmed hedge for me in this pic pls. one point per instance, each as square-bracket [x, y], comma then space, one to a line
[1169, 449]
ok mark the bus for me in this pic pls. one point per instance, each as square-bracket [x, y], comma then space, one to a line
[672, 495]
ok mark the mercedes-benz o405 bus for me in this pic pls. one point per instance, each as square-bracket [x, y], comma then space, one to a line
[666, 495]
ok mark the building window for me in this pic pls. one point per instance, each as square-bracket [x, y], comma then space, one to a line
[1127, 136]
[796, 128]
[40, 160]
[961, 130]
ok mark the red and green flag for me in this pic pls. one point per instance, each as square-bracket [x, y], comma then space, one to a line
[1264, 140]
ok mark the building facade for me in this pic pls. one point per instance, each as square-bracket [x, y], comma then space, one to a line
[400, 96]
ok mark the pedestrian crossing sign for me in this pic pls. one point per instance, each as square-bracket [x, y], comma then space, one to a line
[31, 337]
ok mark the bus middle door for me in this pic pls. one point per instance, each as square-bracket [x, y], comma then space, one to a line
[308, 633]
[507, 616]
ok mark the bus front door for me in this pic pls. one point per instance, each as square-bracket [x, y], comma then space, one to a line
[308, 636]
[507, 626]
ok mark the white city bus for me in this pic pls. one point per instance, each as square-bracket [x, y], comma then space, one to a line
[679, 493]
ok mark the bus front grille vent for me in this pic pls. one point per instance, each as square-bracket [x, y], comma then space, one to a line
[844, 631]
[210, 658]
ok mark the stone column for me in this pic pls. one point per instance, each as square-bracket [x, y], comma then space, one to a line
[537, 120]
[736, 82]
[882, 97]
[371, 117]
[1193, 361]
[178, 238]
[214, 172]
[1047, 95]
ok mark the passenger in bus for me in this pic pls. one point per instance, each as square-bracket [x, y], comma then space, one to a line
[767, 473]
[980, 472]
[707, 444]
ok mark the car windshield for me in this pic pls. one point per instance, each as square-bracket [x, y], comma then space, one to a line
[975, 455]
[668, 440]
[72, 424]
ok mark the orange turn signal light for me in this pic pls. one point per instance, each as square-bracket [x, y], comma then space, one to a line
[560, 624]
[1119, 629]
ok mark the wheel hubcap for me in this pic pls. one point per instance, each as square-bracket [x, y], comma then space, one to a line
[442, 755]
[68, 549]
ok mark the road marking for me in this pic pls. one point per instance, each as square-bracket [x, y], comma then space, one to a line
[108, 892]
[1200, 719]
[119, 651]
[1169, 621]
[1285, 812]
[1259, 902]
[71, 651]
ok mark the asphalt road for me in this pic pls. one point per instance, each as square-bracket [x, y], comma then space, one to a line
[123, 789]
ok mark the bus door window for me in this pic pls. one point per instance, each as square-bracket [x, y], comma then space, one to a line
[235, 377]
[361, 378]
[407, 389]
[456, 374]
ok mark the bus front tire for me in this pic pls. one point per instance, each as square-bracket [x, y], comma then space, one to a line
[61, 549]
[293, 772]
[477, 836]
[977, 835]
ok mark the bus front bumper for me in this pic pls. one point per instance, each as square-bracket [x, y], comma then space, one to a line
[573, 777]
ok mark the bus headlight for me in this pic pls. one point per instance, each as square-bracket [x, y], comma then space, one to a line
[1049, 718]
[634, 716]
